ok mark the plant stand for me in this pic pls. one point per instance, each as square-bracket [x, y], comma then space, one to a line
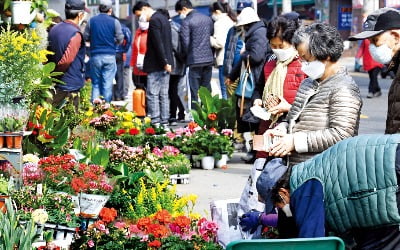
[179, 178]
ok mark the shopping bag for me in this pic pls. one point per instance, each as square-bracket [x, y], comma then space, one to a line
[245, 86]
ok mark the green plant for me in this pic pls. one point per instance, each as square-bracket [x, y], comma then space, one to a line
[13, 235]
[12, 124]
[205, 143]
[176, 164]
[4, 190]
[214, 112]
[224, 144]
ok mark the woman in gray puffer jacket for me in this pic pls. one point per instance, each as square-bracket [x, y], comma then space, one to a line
[328, 103]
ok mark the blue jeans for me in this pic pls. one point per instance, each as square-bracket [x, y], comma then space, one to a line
[222, 82]
[199, 76]
[103, 68]
[157, 96]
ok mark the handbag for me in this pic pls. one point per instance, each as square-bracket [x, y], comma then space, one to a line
[245, 86]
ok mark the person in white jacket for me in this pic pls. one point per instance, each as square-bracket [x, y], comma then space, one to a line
[224, 18]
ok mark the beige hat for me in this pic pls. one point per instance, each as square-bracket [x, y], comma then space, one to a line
[248, 15]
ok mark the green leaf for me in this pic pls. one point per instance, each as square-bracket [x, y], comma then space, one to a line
[134, 177]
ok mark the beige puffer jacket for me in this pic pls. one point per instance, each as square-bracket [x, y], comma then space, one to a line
[323, 114]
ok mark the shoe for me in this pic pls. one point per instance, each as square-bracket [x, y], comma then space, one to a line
[370, 95]
[377, 94]
[247, 157]
[172, 122]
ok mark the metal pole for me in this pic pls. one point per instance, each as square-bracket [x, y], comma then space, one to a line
[275, 8]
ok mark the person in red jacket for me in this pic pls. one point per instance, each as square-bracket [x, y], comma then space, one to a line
[282, 78]
[372, 67]
[138, 51]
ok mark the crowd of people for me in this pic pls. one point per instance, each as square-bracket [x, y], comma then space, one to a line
[313, 102]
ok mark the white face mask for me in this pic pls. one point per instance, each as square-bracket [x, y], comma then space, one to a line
[214, 17]
[314, 69]
[283, 54]
[143, 25]
[381, 54]
[182, 16]
[287, 211]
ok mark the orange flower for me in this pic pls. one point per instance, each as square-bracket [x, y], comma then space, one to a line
[212, 116]
[192, 125]
[108, 214]
[182, 221]
[154, 243]
[109, 113]
[158, 231]
[143, 223]
[163, 216]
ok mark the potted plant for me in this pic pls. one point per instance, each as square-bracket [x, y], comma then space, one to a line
[1, 132]
[225, 146]
[206, 147]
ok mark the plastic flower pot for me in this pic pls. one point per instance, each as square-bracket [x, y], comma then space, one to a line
[222, 162]
[91, 204]
[207, 162]
[1, 141]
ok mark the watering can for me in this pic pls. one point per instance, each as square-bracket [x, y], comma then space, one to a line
[21, 12]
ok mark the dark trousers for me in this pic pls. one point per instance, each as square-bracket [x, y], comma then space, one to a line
[119, 77]
[373, 80]
[139, 81]
[60, 98]
[199, 76]
[174, 100]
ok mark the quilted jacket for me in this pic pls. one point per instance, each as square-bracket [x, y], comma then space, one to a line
[393, 113]
[323, 114]
[359, 180]
[195, 35]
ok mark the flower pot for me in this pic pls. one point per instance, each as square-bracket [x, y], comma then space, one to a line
[207, 162]
[18, 141]
[91, 204]
[1, 141]
[21, 12]
[222, 162]
[3, 202]
[60, 232]
[9, 140]
[196, 161]
[70, 234]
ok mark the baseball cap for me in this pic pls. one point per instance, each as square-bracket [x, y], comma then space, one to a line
[75, 5]
[105, 5]
[378, 22]
[248, 15]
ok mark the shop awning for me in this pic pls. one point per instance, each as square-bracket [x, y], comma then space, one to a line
[294, 2]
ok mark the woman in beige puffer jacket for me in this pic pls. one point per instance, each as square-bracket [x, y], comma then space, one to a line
[327, 105]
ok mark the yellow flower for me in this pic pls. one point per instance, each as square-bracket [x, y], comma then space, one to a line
[192, 198]
[130, 207]
[127, 124]
[158, 207]
[137, 121]
[118, 113]
[123, 191]
[128, 116]
[147, 120]
[89, 113]
[194, 216]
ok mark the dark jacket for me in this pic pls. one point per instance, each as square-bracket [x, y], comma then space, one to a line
[179, 62]
[195, 35]
[60, 37]
[393, 113]
[233, 45]
[257, 49]
[126, 43]
[159, 44]
[104, 33]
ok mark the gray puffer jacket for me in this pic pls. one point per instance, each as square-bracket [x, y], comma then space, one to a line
[323, 114]
[195, 33]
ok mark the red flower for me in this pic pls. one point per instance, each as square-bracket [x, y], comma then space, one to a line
[158, 231]
[120, 131]
[212, 116]
[182, 221]
[192, 125]
[47, 136]
[150, 131]
[34, 132]
[143, 223]
[134, 131]
[108, 214]
[154, 243]
[163, 216]
[31, 125]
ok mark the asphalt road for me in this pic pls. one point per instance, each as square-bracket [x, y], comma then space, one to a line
[220, 184]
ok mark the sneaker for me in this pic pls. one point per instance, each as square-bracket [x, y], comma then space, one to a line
[377, 94]
[370, 95]
[172, 122]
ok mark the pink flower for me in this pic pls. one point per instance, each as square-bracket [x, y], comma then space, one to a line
[90, 243]
[170, 135]
[134, 229]
[227, 132]
[120, 224]
[157, 152]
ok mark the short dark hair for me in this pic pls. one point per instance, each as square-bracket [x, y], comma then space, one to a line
[283, 182]
[282, 28]
[72, 14]
[324, 41]
[164, 12]
[183, 3]
[139, 5]
[224, 8]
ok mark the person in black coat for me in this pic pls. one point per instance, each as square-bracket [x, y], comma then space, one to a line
[158, 62]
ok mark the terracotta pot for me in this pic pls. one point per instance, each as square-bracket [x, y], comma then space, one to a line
[9, 140]
[1, 141]
[17, 141]
[3, 202]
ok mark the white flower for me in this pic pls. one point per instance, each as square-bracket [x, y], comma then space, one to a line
[30, 158]
[40, 216]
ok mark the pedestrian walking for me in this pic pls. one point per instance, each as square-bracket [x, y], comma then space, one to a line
[67, 43]
[195, 33]
[224, 19]
[139, 48]
[157, 63]
[385, 49]
[104, 34]
[120, 58]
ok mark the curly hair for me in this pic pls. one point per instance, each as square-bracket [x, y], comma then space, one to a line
[283, 28]
[324, 41]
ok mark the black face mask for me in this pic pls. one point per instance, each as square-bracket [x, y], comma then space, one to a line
[246, 27]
